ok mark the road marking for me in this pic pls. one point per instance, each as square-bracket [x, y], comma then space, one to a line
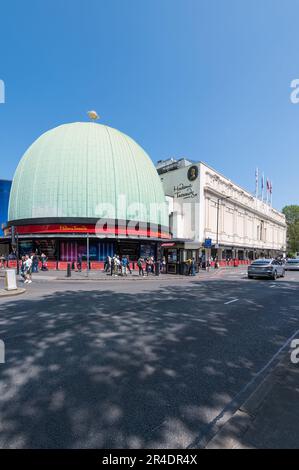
[231, 301]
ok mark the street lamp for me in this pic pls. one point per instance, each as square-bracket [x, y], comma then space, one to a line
[87, 254]
[17, 253]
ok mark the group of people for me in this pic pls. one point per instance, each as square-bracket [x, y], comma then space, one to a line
[148, 265]
[115, 265]
[30, 264]
[5, 259]
[26, 269]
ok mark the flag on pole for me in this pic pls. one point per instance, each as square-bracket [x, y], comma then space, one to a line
[271, 189]
[268, 190]
[256, 182]
[263, 184]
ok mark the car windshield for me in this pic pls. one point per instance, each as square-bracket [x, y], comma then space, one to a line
[262, 262]
[293, 261]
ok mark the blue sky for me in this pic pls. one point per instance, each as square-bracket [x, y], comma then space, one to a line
[208, 80]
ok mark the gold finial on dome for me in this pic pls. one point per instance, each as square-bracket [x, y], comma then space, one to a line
[93, 115]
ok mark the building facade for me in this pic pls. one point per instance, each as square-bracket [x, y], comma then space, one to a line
[216, 217]
[87, 189]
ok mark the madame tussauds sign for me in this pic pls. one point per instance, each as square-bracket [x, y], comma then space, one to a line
[184, 191]
[2, 92]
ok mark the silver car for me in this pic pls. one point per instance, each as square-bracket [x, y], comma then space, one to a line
[266, 268]
[292, 265]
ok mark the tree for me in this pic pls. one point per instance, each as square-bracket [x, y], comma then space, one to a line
[292, 218]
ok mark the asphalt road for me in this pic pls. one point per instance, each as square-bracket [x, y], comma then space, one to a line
[136, 364]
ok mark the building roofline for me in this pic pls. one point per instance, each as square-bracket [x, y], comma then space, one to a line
[236, 184]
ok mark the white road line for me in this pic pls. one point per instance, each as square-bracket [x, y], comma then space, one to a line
[231, 301]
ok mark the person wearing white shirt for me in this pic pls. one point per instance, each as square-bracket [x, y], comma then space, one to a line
[28, 270]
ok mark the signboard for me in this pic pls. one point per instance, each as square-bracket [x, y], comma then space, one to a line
[208, 243]
[184, 191]
[106, 229]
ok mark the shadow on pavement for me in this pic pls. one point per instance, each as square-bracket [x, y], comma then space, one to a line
[101, 369]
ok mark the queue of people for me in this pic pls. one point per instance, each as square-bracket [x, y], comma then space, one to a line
[116, 265]
[121, 266]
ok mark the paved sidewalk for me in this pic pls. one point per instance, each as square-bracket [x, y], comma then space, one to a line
[100, 275]
[269, 419]
[11, 293]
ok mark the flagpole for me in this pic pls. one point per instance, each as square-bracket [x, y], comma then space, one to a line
[256, 182]
[271, 190]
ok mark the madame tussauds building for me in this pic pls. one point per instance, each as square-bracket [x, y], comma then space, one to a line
[86, 186]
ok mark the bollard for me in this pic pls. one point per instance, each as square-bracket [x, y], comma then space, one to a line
[68, 270]
[10, 280]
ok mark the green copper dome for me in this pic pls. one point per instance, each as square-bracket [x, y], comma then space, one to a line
[87, 170]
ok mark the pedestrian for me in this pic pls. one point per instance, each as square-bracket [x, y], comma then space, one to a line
[124, 265]
[118, 266]
[112, 266]
[34, 263]
[107, 264]
[128, 265]
[2, 259]
[79, 263]
[189, 266]
[140, 266]
[147, 266]
[193, 267]
[23, 269]
[28, 270]
[44, 259]
[152, 264]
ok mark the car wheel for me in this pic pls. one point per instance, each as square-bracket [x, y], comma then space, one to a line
[274, 277]
[250, 277]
